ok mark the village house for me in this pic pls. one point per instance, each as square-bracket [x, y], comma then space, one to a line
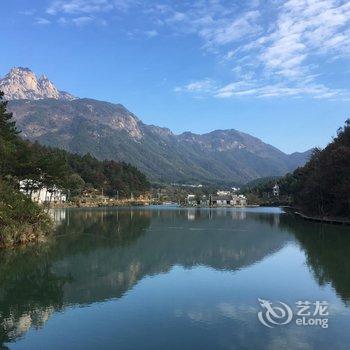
[227, 200]
[41, 194]
[194, 201]
[220, 199]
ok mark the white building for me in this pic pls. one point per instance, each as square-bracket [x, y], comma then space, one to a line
[228, 200]
[276, 190]
[193, 200]
[223, 193]
[41, 194]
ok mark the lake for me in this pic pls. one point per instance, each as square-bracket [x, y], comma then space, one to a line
[175, 278]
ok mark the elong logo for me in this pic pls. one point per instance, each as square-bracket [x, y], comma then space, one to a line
[282, 314]
[274, 315]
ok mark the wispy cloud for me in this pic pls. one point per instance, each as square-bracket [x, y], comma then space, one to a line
[284, 52]
[83, 12]
[228, 31]
[42, 21]
[75, 7]
[215, 22]
[260, 89]
[151, 33]
[82, 20]
[269, 48]
[199, 86]
[305, 28]
[282, 90]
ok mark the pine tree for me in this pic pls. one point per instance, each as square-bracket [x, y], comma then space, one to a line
[8, 130]
[8, 139]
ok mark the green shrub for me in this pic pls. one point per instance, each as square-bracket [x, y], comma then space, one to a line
[21, 220]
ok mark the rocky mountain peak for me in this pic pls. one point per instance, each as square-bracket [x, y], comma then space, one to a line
[22, 83]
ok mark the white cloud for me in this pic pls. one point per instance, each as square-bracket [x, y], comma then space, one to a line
[269, 48]
[151, 33]
[199, 86]
[285, 52]
[313, 90]
[42, 21]
[303, 30]
[80, 21]
[216, 22]
[83, 12]
[250, 87]
[83, 20]
[74, 7]
[228, 31]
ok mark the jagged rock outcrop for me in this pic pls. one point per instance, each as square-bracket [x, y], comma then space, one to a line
[22, 84]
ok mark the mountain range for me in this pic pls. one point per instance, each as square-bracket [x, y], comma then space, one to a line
[110, 131]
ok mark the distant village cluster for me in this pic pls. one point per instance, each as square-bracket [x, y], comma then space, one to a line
[220, 199]
[175, 194]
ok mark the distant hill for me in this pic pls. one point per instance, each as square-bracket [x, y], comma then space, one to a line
[110, 131]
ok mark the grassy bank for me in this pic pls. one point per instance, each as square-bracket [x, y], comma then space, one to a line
[21, 220]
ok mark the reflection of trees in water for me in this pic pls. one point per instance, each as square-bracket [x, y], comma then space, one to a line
[216, 241]
[100, 254]
[85, 230]
[327, 249]
[31, 290]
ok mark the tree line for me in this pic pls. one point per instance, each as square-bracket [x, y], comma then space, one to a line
[321, 187]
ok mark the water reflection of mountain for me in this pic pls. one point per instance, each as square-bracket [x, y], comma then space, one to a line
[107, 270]
[98, 254]
[327, 248]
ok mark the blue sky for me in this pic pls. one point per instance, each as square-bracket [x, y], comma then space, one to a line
[277, 69]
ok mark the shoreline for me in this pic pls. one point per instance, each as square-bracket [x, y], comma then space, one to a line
[332, 221]
[94, 205]
[126, 204]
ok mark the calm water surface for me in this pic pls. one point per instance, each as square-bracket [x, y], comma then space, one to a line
[161, 278]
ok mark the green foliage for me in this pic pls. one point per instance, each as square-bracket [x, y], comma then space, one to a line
[52, 166]
[322, 186]
[20, 219]
[8, 138]
[75, 184]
